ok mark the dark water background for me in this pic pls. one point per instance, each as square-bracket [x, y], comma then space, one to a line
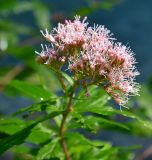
[131, 23]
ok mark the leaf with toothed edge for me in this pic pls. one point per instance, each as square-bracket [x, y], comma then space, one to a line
[32, 90]
[20, 136]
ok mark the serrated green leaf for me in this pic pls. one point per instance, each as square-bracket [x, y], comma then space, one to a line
[31, 90]
[94, 123]
[97, 103]
[46, 151]
[15, 139]
[76, 138]
[38, 132]
[11, 125]
[98, 99]
[20, 136]
[48, 105]
[83, 148]
[99, 122]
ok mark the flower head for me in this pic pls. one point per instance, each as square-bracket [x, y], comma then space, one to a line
[93, 57]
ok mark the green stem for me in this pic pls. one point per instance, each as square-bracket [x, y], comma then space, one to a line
[62, 129]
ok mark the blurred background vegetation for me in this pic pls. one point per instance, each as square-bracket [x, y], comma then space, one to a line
[20, 23]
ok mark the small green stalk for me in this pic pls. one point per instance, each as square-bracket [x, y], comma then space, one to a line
[62, 129]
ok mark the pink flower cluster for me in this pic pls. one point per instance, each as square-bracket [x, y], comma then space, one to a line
[93, 56]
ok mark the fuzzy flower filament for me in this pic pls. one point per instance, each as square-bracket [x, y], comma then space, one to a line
[93, 56]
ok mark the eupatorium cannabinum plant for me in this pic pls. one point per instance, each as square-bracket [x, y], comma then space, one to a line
[92, 57]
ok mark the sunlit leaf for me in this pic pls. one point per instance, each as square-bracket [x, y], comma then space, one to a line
[32, 90]
[84, 148]
[20, 136]
[38, 132]
[46, 151]
[11, 125]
